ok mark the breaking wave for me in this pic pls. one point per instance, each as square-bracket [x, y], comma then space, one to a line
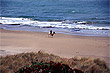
[53, 24]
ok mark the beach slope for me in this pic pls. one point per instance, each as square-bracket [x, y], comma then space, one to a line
[13, 42]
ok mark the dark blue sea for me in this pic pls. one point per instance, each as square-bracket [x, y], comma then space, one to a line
[76, 17]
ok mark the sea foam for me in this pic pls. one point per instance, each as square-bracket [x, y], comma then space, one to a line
[54, 24]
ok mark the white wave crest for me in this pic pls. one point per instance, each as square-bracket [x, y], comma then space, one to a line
[73, 11]
[63, 24]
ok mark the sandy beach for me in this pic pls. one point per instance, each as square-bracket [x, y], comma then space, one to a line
[13, 42]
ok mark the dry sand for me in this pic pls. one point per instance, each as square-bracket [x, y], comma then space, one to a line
[13, 42]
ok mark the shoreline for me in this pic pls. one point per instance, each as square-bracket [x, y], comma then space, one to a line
[14, 41]
[45, 30]
[75, 27]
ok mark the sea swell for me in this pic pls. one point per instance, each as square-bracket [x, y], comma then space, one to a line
[69, 24]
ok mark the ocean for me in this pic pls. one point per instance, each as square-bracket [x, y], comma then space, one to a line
[76, 17]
